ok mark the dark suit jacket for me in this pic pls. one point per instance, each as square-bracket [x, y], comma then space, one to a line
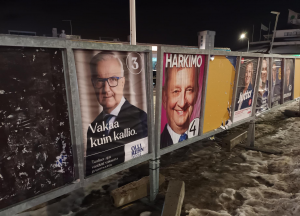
[129, 117]
[165, 138]
[262, 101]
[245, 103]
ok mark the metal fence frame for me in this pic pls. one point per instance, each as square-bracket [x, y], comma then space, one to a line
[178, 50]
[72, 93]
[74, 110]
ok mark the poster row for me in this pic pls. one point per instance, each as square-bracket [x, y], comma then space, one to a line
[36, 149]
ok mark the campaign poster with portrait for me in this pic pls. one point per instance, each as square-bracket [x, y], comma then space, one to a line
[288, 86]
[245, 88]
[112, 93]
[263, 89]
[276, 81]
[35, 140]
[181, 97]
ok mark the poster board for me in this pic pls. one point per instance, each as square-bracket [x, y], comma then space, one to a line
[262, 102]
[288, 85]
[276, 83]
[245, 88]
[220, 85]
[181, 97]
[297, 79]
[112, 92]
[36, 150]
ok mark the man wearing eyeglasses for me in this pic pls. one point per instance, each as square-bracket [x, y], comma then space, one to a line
[120, 122]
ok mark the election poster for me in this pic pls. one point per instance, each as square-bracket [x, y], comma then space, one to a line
[297, 79]
[181, 97]
[35, 142]
[288, 86]
[245, 88]
[276, 81]
[263, 88]
[219, 92]
[112, 93]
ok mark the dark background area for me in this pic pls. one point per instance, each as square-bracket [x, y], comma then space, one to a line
[164, 22]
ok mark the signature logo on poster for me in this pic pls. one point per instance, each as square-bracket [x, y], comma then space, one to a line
[137, 150]
[134, 63]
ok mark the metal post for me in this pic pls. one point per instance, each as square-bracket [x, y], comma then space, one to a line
[70, 24]
[251, 134]
[132, 23]
[260, 33]
[248, 45]
[252, 33]
[273, 12]
[269, 30]
[154, 177]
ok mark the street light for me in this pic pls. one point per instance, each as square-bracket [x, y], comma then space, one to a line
[244, 36]
[70, 24]
[274, 32]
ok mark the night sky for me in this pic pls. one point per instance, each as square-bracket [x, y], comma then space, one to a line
[163, 22]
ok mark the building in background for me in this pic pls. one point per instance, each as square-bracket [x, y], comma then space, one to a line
[286, 41]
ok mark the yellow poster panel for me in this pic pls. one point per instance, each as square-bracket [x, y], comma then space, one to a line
[219, 92]
[297, 79]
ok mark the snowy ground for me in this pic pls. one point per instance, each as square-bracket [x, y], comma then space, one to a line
[218, 183]
[243, 183]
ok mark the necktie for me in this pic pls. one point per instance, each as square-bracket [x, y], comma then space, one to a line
[183, 137]
[107, 118]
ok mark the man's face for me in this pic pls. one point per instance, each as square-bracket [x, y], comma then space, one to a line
[248, 74]
[264, 72]
[179, 97]
[287, 74]
[109, 97]
[274, 72]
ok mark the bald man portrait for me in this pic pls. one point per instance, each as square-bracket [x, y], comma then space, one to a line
[179, 96]
[120, 122]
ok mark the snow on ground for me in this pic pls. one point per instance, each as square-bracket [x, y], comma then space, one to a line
[218, 183]
[243, 183]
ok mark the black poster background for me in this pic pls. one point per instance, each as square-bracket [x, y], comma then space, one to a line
[276, 81]
[288, 86]
[35, 144]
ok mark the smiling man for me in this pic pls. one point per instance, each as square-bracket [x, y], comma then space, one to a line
[120, 122]
[180, 93]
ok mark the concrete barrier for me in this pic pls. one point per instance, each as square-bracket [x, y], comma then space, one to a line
[133, 191]
[174, 198]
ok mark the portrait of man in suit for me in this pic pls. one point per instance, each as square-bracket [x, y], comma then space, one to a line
[288, 84]
[120, 122]
[180, 92]
[276, 82]
[263, 90]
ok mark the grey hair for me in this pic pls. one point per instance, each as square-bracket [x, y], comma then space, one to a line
[104, 56]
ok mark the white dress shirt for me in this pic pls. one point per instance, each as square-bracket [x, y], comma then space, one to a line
[175, 137]
[115, 112]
